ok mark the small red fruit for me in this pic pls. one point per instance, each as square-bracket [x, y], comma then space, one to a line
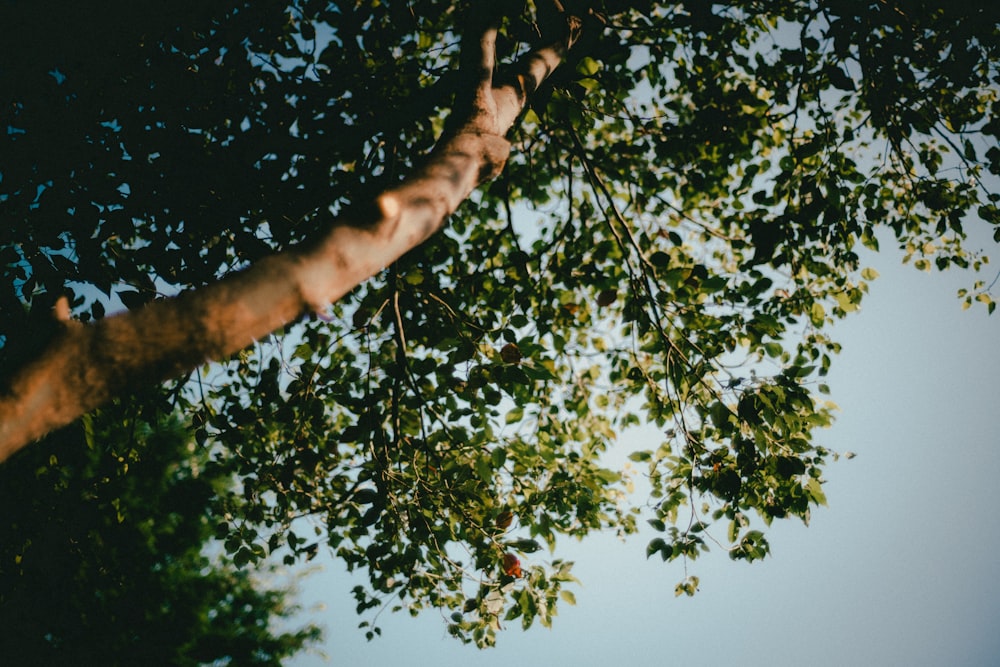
[511, 565]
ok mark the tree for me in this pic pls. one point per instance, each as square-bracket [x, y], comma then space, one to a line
[104, 559]
[698, 178]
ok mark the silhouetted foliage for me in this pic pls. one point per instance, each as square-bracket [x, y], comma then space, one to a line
[107, 557]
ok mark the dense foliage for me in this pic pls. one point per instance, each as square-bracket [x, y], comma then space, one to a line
[104, 555]
[676, 229]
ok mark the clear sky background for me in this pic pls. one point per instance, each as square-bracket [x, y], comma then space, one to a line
[902, 568]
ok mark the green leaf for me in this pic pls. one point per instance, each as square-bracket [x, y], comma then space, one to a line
[525, 545]
[588, 66]
[773, 349]
[608, 476]
[515, 415]
[366, 496]
[659, 545]
[689, 586]
[816, 491]
[498, 456]
[817, 314]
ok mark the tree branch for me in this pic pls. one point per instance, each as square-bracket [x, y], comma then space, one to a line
[86, 365]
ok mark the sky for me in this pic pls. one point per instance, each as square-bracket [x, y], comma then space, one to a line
[900, 569]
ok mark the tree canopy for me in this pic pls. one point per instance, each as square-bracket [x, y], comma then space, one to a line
[673, 231]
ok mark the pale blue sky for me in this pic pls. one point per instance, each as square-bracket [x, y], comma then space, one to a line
[900, 569]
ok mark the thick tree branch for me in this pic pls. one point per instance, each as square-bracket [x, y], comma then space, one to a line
[87, 365]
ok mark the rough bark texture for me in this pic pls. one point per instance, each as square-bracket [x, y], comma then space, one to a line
[86, 365]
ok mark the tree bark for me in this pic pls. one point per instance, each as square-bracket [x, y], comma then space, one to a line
[86, 365]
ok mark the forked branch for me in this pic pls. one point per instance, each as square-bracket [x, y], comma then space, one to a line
[86, 365]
